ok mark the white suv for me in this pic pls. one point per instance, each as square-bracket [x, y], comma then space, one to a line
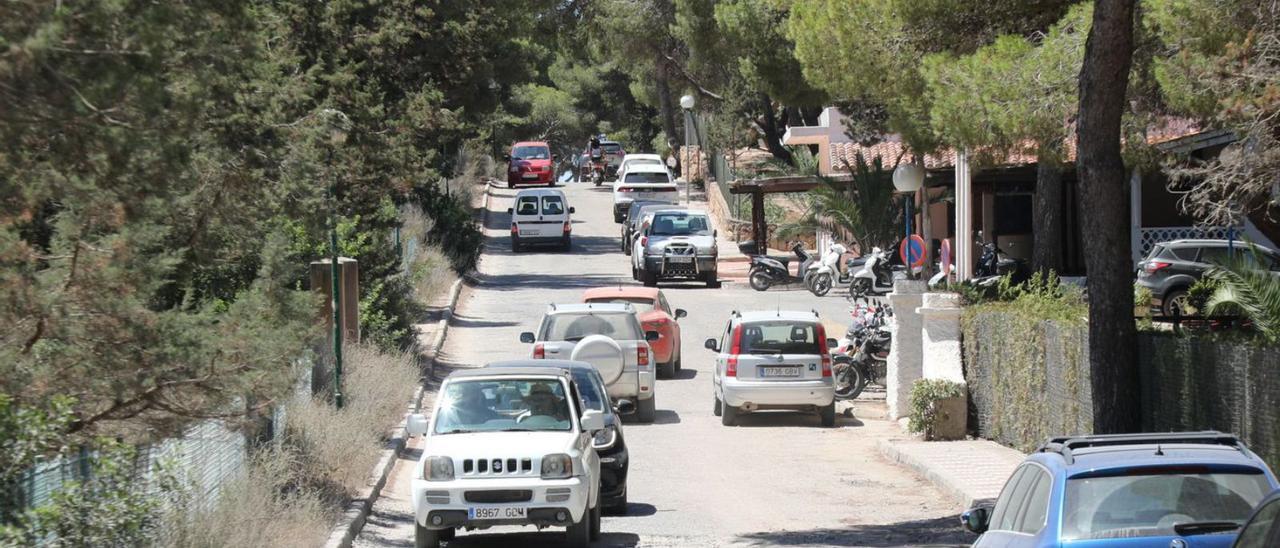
[773, 360]
[508, 446]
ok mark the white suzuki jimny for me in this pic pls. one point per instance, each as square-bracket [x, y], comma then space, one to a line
[508, 446]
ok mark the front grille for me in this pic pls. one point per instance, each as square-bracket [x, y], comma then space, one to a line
[687, 270]
[497, 466]
[498, 496]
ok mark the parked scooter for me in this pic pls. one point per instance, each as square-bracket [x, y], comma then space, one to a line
[995, 264]
[861, 357]
[769, 271]
[827, 272]
[875, 277]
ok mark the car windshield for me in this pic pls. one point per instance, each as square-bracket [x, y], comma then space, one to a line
[1144, 505]
[780, 337]
[531, 153]
[680, 224]
[574, 327]
[592, 397]
[641, 304]
[497, 405]
[647, 177]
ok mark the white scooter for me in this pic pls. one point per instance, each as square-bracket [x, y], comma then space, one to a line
[875, 277]
[827, 272]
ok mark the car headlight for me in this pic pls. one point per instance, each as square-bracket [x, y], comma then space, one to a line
[439, 469]
[605, 438]
[557, 466]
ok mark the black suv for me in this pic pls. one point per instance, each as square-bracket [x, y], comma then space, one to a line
[1171, 267]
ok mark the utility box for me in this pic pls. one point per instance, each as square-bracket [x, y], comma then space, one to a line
[349, 308]
[950, 419]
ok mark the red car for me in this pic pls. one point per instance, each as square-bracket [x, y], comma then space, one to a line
[530, 163]
[655, 314]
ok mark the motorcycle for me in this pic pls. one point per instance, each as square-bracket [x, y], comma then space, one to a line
[826, 273]
[769, 271]
[861, 358]
[875, 277]
[597, 172]
[994, 264]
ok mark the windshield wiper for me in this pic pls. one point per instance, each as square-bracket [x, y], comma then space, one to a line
[459, 431]
[1204, 527]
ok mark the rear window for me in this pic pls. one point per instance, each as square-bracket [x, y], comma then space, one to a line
[527, 205]
[680, 224]
[642, 162]
[552, 205]
[611, 147]
[574, 327]
[641, 305]
[780, 337]
[647, 177]
[1151, 504]
[531, 153]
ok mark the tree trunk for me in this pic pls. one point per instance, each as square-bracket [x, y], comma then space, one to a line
[662, 75]
[1047, 217]
[1104, 194]
[772, 133]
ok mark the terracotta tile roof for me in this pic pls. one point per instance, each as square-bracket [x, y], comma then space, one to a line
[892, 148]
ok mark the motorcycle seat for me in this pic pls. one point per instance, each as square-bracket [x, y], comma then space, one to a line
[784, 259]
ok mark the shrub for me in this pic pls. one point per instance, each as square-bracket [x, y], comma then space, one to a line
[1199, 293]
[1141, 300]
[925, 394]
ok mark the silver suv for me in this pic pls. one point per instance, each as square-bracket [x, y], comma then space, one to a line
[773, 360]
[677, 244]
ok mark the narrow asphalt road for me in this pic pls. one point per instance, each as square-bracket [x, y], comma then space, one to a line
[777, 480]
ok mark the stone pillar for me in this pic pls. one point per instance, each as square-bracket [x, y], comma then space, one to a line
[940, 336]
[349, 274]
[904, 365]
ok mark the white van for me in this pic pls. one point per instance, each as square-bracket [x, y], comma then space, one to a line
[540, 216]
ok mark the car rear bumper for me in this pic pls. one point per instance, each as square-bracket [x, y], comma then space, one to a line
[429, 501]
[777, 394]
[633, 385]
[542, 178]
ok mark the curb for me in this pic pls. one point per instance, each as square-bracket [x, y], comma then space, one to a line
[357, 511]
[968, 499]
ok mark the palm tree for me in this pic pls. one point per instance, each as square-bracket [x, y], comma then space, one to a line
[865, 208]
[1248, 291]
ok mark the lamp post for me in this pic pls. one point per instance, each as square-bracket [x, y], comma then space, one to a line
[686, 103]
[337, 124]
[909, 178]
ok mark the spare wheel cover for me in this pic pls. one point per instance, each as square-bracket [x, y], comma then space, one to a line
[602, 352]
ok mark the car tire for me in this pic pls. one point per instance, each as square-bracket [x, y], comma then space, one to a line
[711, 278]
[678, 366]
[595, 521]
[510, 184]
[715, 410]
[828, 414]
[728, 414]
[646, 409]
[667, 370]
[425, 538]
[447, 534]
[647, 278]
[566, 243]
[515, 244]
[619, 507]
[578, 535]
[1174, 301]
[617, 219]
[635, 274]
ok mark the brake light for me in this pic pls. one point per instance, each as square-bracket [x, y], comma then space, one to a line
[644, 241]
[642, 356]
[626, 189]
[735, 348]
[1154, 266]
[567, 228]
[514, 229]
[539, 352]
[822, 350]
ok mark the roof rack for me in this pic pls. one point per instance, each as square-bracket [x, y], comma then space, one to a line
[1064, 445]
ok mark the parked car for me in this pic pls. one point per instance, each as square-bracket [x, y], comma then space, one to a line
[1263, 528]
[507, 447]
[655, 314]
[607, 336]
[609, 442]
[631, 223]
[773, 360]
[677, 244]
[1171, 268]
[530, 163]
[541, 216]
[1130, 490]
[639, 159]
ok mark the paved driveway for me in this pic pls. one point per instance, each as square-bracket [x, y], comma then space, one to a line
[779, 479]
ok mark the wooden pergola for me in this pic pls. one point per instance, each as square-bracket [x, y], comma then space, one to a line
[757, 188]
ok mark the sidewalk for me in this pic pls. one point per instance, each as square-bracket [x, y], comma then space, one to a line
[972, 471]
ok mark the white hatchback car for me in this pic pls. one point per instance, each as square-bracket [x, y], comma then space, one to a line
[509, 446]
[773, 360]
[643, 182]
[540, 216]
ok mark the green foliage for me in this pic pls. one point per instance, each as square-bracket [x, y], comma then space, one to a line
[1142, 298]
[1199, 293]
[925, 394]
[866, 208]
[1249, 292]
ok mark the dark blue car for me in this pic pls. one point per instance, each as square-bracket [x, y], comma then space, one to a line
[1171, 490]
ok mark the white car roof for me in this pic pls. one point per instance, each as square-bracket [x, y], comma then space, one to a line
[647, 168]
[605, 308]
[539, 192]
[642, 156]
[766, 315]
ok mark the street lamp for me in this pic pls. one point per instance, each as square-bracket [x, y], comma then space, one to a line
[686, 103]
[337, 124]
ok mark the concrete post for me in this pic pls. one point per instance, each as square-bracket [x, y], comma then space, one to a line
[940, 336]
[905, 364]
[349, 275]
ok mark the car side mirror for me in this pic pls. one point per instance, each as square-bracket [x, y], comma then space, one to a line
[592, 421]
[511, 210]
[572, 210]
[526, 337]
[832, 343]
[711, 345]
[416, 425]
[975, 520]
[680, 313]
[624, 407]
[651, 336]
